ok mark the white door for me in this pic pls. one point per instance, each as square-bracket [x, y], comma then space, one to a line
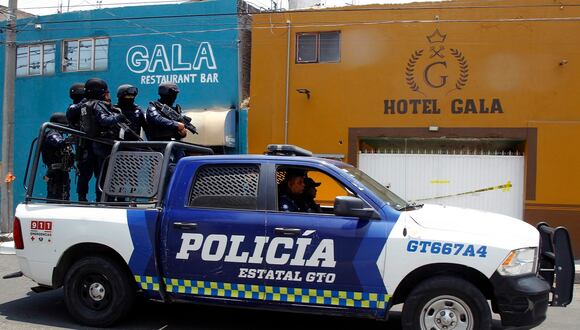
[493, 183]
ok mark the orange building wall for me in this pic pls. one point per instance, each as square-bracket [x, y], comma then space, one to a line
[526, 54]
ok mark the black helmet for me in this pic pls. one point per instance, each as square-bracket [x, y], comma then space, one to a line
[95, 88]
[127, 89]
[168, 89]
[59, 118]
[77, 90]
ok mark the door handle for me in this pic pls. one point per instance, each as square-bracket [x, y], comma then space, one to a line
[287, 231]
[185, 225]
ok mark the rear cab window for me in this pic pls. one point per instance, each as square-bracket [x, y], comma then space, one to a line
[227, 186]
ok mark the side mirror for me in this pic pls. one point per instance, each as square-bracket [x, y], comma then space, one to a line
[348, 206]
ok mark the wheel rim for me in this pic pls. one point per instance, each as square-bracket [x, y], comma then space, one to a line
[446, 313]
[95, 291]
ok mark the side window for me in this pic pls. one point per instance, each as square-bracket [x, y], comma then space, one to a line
[318, 47]
[307, 190]
[90, 54]
[35, 60]
[229, 186]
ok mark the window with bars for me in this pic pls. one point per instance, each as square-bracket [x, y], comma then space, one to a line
[318, 47]
[226, 186]
[91, 54]
[35, 60]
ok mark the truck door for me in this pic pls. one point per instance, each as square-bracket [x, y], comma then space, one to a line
[210, 231]
[321, 259]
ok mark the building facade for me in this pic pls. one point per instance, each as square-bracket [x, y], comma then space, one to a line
[202, 46]
[464, 100]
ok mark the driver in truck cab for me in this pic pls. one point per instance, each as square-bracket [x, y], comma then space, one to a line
[290, 192]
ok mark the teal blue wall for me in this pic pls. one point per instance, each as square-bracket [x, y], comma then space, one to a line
[37, 97]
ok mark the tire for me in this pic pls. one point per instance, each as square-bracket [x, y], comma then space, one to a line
[98, 291]
[446, 303]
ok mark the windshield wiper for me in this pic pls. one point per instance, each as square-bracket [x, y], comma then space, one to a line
[410, 207]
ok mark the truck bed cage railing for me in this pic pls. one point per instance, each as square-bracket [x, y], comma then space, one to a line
[556, 263]
[39, 141]
[160, 151]
[158, 154]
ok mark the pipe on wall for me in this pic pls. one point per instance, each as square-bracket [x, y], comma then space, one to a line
[287, 83]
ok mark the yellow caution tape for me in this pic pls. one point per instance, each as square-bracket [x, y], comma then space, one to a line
[504, 187]
[440, 181]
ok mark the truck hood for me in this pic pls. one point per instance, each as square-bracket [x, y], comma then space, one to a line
[469, 221]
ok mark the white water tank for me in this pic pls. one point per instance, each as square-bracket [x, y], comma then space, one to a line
[299, 4]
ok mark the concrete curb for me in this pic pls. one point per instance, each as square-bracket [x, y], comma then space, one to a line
[7, 247]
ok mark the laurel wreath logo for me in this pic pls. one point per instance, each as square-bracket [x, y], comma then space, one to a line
[463, 69]
[410, 71]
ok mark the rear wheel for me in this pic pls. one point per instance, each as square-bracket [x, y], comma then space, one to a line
[98, 291]
[446, 303]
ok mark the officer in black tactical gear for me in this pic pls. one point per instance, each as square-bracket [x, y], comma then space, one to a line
[159, 126]
[73, 113]
[290, 192]
[86, 162]
[126, 95]
[57, 155]
[99, 119]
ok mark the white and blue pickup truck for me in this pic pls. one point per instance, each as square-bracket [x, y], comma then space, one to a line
[209, 229]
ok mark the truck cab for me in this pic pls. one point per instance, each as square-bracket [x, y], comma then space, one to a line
[213, 229]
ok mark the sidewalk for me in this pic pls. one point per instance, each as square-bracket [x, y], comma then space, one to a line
[6, 244]
[7, 247]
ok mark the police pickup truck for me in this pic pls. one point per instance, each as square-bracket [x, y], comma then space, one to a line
[208, 229]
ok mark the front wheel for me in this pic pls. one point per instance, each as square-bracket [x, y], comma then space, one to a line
[98, 291]
[446, 303]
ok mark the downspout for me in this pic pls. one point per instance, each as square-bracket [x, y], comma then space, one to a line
[287, 84]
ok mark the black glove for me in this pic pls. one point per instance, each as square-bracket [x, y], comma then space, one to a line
[121, 118]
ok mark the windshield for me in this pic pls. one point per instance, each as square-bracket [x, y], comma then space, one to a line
[378, 189]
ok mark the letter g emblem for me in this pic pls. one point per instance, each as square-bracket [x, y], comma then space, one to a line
[442, 79]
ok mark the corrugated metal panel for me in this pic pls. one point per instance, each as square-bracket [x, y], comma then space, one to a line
[474, 181]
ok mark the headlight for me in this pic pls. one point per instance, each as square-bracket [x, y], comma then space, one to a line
[519, 262]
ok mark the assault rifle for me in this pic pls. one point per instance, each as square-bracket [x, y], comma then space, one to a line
[124, 126]
[168, 112]
[68, 157]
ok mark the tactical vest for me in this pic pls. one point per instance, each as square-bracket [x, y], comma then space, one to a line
[88, 123]
[56, 157]
[160, 133]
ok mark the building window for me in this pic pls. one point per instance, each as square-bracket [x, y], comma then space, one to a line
[85, 55]
[35, 60]
[318, 47]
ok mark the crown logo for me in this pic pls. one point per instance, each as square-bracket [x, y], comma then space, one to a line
[436, 37]
[435, 55]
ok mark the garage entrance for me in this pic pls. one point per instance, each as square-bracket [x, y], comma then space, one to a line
[485, 176]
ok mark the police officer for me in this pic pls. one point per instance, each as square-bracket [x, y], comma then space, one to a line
[159, 127]
[73, 112]
[126, 95]
[86, 163]
[100, 120]
[57, 155]
[309, 195]
[291, 190]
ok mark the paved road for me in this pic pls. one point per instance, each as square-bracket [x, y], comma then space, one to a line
[20, 308]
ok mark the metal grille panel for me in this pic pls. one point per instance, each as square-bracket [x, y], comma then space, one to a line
[134, 174]
[226, 187]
